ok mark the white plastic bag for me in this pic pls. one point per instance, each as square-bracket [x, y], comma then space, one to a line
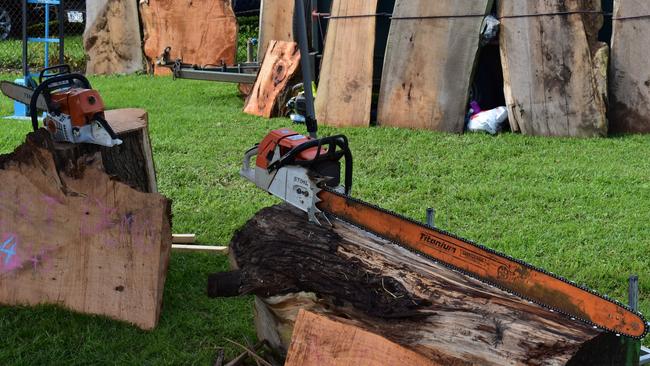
[488, 121]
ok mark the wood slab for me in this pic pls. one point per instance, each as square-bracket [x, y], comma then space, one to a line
[279, 68]
[276, 23]
[345, 88]
[450, 318]
[555, 70]
[72, 235]
[629, 72]
[429, 64]
[112, 39]
[198, 32]
[322, 341]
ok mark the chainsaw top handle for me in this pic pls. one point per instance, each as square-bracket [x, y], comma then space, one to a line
[52, 83]
[47, 72]
[337, 148]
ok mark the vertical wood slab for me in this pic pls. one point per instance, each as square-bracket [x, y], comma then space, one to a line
[429, 64]
[112, 37]
[629, 72]
[345, 88]
[276, 23]
[279, 67]
[198, 32]
[74, 236]
[321, 341]
[554, 68]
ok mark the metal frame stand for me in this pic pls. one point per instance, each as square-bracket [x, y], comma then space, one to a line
[21, 111]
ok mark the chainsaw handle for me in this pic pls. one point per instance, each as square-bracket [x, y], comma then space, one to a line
[332, 143]
[61, 70]
[48, 85]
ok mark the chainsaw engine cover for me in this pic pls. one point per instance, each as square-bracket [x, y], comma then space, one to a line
[82, 105]
[285, 139]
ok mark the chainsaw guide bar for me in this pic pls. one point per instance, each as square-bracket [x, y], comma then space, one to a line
[509, 274]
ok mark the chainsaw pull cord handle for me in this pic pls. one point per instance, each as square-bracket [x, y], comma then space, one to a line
[300, 29]
[60, 81]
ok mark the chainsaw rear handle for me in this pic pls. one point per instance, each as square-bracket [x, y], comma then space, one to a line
[337, 148]
[49, 84]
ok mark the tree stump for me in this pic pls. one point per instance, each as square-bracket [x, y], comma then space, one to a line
[75, 236]
[291, 264]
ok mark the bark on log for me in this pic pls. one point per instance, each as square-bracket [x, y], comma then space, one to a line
[274, 81]
[112, 37]
[198, 32]
[72, 235]
[448, 317]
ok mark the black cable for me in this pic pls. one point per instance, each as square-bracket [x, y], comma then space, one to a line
[513, 16]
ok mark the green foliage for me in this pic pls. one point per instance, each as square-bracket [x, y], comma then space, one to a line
[576, 207]
[248, 28]
[11, 54]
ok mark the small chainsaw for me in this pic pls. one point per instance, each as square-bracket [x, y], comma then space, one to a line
[74, 112]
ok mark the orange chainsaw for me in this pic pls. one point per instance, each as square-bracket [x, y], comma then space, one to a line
[305, 172]
[74, 111]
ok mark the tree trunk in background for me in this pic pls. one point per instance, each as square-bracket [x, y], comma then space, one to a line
[198, 32]
[112, 37]
[452, 319]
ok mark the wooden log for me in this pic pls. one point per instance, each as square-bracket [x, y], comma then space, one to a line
[277, 74]
[345, 84]
[419, 304]
[72, 235]
[276, 23]
[555, 70]
[198, 32]
[321, 341]
[629, 74]
[429, 64]
[112, 37]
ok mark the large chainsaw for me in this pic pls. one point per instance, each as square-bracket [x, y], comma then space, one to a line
[74, 111]
[305, 172]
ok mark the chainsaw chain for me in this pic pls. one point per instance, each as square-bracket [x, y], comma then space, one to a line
[492, 251]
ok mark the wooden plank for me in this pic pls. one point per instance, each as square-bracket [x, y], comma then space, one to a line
[321, 341]
[183, 248]
[278, 69]
[554, 68]
[83, 241]
[276, 23]
[345, 86]
[429, 64]
[183, 238]
[630, 75]
[198, 32]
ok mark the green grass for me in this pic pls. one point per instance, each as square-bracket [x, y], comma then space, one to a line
[579, 208]
[11, 54]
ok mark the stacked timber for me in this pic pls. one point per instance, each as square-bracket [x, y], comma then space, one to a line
[629, 73]
[112, 37]
[198, 32]
[555, 70]
[376, 294]
[345, 87]
[81, 228]
[430, 59]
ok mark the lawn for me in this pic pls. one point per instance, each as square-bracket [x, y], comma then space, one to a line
[577, 207]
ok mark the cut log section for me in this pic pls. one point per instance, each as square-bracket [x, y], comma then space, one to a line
[320, 341]
[112, 37]
[274, 80]
[555, 70]
[629, 73]
[198, 32]
[72, 235]
[276, 23]
[345, 84]
[429, 64]
[419, 304]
